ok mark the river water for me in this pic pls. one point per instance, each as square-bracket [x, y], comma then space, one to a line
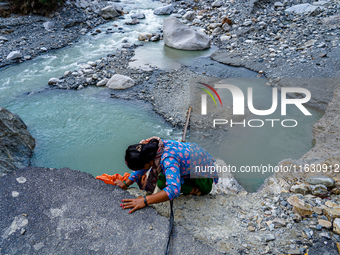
[88, 131]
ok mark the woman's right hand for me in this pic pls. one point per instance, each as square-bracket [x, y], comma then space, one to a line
[120, 184]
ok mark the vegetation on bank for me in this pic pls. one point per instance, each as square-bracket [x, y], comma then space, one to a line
[24, 7]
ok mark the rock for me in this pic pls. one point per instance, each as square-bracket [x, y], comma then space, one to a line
[320, 179]
[301, 8]
[180, 36]
[325, 223]
[224, 38]
[269, 237]
[132, 22]
[247, 23]
[16, 143]
[109, 12]
[278, 4]
[226, 27]
[336, 226]
[309, 233]
[101, 83]
[300, 189]
[14, 55]
[53, 81]
[49, 25]
[67, 73]
[58, 216]
[155, 38]
[310, 43]
[226, 20]
[164, 10]
[3, 38]
[331, 204]
[317, 210]
[318, 190]
[83, 31]
[251, 228]
[138, 15]
[278, 223]
[144, 36]
[331, 213]
[189, 15]
[299, 206]
[217, 4]
[119, 81]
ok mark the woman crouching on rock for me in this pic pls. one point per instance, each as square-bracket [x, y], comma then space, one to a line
[170, 164]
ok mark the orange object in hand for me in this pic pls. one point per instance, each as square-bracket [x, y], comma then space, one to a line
[110, 179]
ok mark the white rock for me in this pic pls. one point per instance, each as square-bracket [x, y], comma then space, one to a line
[15, 193]
[164, 10]
[190, 15]
[320, 3]
[336, 226]
[21, 179]
[180, 36]
[247, 23]
[67, 73]
[226, 27]
[224, 38]
[138, 15]
[119, 81]
[14, 55]
[144, 36]
[302, 8]
[101, 83]
[3, 38]
[278, 4]
[320, 179]
[217, 4]
[49, 25]
[109, 12]
[53, 81]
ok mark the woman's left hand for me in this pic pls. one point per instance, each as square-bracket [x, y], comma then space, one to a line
[135, 204]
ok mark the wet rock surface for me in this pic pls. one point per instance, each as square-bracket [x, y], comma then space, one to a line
[16, 143]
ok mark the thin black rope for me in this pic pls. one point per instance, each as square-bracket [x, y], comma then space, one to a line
[171, 224]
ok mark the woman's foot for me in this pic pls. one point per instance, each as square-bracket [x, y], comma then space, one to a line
[196, 192]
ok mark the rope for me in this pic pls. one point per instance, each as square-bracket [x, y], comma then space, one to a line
[171, 224]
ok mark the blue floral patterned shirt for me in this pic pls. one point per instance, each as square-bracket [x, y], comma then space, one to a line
[176, 162]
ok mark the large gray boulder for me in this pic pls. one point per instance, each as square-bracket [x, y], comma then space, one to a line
[16, 143]
[301, 8]
[119, 81]
[109, 12]
[61, 211]
[182, 37]
[164, 10]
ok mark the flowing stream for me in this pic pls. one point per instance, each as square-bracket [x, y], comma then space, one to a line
[88, 131]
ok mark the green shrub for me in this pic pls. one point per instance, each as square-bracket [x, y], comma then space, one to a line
[43, 7]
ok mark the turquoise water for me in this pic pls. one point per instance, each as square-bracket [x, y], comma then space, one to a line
[86, 130]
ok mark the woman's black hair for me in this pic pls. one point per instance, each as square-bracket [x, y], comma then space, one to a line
[137, 155]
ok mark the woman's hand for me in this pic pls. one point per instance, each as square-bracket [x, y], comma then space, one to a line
[135, 204]
[120, 184]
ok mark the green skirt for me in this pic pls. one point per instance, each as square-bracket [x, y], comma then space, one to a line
[203, 184]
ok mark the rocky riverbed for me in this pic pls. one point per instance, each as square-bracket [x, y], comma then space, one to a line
[293, 213]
